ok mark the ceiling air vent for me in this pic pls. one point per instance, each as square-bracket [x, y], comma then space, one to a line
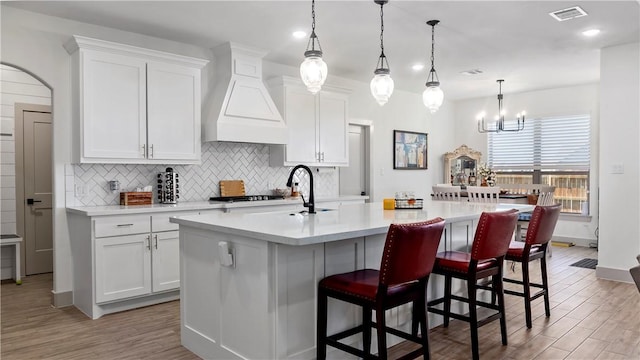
[568, 14]
[471, 72]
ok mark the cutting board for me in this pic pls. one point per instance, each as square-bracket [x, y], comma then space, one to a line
[232, 188]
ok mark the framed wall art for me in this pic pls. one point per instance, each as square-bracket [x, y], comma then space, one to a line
[409, 150]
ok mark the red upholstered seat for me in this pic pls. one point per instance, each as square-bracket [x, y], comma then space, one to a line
[516, 249]
[543, 222]
[407, 260]
[362, 283]
[459, 261]
[490, 245]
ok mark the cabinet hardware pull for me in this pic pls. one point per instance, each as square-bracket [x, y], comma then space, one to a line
[156, 241]
[144, 150]
[123, 225]
[148, 242]
[322, 157]
[151, 152]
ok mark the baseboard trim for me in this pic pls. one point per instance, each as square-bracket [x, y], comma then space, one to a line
[577, 241]
[607, 273]
[61, 299]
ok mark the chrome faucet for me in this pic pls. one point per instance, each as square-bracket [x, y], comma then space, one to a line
[310, 204]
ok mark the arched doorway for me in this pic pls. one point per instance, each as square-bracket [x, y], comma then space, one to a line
[26, 185]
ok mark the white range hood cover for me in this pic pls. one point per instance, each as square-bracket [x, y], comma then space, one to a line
[242, 109]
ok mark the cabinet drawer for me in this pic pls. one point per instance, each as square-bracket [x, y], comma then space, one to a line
[160, 222]
[122, 225]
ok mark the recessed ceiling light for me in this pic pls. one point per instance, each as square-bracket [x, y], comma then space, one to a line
[591, 32]
[299, 34]
[417, 67]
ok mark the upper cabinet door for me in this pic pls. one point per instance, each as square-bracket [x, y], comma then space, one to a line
[333, 129]
[173, 112]
[113, 92]
[300, 115]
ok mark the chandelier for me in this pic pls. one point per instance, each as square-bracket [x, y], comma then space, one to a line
[382, 83]
[432, 95]
[499, 124]
[313, 69]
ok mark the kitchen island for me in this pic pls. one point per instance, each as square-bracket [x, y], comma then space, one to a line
[248, 281]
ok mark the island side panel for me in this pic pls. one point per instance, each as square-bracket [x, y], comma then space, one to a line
[225, 311]
[298, 269]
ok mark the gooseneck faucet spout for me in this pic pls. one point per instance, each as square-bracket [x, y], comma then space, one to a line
[310, 204]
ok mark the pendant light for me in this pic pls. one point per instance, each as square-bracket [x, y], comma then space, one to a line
[432, 96]
[313, 69]
[498, 125]
[382, 83]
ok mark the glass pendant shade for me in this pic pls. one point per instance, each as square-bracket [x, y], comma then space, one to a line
[313, 72]
[382, 87]
[432, 97]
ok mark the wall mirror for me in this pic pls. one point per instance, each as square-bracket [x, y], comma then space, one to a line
[460, 166]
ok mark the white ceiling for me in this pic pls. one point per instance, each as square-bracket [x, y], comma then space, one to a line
[514, 40]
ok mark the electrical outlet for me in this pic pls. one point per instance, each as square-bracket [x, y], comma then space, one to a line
[617, 168]
[80, 190]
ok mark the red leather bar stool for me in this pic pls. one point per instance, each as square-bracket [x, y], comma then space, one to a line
[543, 222]
[490, 245]
[407, 260]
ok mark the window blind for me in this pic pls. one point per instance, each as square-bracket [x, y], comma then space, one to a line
[545, 144]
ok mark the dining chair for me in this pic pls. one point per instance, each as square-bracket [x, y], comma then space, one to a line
[407, 261]
[483, 194]
[543, 222]
[485, 260]
[446, 192]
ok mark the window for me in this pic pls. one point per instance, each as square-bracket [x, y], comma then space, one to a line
[552, 151]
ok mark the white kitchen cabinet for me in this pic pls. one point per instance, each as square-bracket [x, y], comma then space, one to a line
[122, 262]
[123, 267]
[317, 125]
[134, 105]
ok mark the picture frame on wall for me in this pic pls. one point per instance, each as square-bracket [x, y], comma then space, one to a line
[409, 150]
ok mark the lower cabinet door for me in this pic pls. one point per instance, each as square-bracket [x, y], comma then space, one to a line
[123, 267]
[166, 261]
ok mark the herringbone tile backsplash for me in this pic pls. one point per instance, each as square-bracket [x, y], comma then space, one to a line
[220, 161]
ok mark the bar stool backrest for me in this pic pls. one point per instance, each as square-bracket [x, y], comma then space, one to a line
[543, 222]
[410, 251]
[493, 234]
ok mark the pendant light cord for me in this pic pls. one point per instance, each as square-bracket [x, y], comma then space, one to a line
[313, 16]
[433, 46]
[382, 29]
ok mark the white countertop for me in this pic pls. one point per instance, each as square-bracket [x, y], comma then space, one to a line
[348, 221]
[193, 206]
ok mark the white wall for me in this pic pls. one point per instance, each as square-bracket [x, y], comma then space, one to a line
[619, 134]
[573, 100]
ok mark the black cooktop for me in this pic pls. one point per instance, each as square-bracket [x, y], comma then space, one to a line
[246, 198]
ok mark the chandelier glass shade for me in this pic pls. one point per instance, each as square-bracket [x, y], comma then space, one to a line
[313, 69]
[432, 97]
[498, 125]
[382, 84]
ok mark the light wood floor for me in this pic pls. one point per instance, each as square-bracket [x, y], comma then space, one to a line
[590, 319]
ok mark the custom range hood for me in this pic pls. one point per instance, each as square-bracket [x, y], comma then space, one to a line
[241, 109]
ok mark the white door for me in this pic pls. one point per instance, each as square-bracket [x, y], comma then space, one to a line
[353, 177]
[174, 112]
[166, 261]
[114, 106]
[332, 125]
[37, 178]
[123, 267]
